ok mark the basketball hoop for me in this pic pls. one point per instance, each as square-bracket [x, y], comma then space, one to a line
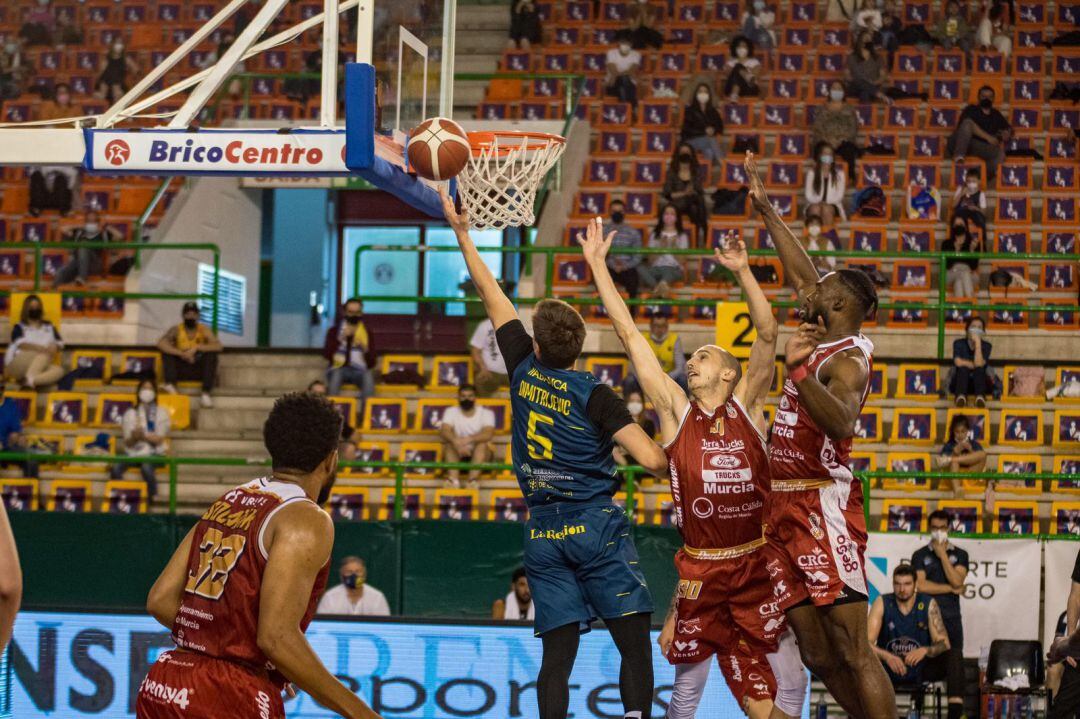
[498, 186]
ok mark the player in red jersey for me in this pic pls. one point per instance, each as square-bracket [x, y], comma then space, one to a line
[240, 590]
[817, 505]
[719, 482]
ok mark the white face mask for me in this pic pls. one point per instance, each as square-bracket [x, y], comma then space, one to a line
[939, 535]
[759, 5]
[836, 95]
[635, 408]
[146, 396]
[826, 160]
[91, 228]
[703, 97]
[624, 48]
[973, 186]
[741, 52]
[813, 230]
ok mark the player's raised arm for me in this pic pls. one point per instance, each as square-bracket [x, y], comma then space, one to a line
[666, 395]
[10, 580]
[300, 538]
[834, 397]
[755, 383]
[499, 307]
[798, 267]
[163, 601]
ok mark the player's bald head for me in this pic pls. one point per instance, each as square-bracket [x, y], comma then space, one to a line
[711, 368]
[727, 359]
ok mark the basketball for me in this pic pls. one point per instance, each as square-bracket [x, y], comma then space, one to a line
[438, 149]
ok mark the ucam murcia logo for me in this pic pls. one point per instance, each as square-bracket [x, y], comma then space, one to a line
[167, 694]
[815, 526]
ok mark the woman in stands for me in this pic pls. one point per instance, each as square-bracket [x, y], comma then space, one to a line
[659, 271]
[757, 24]
[682, 186]
[145, 428]
[702, 124]
[635, 404]
[524, 25]
[816, 240]
[825, 185]
[837, 124]
[35, 344]
[866, 72]
[743, 70]
[963, 275]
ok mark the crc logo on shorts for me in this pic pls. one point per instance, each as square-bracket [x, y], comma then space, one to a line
[816, 558]
[688, 626]
[117, 152]
[815, 526]
[166, 694]
[769, 609]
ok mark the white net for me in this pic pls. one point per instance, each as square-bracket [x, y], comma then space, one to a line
[498, 186]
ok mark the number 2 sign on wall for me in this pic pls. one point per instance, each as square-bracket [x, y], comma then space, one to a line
[734, 330]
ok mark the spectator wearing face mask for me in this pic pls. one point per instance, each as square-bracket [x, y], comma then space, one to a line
[345, 348]
[941, 568]
[466, 433]
[623, 267]
[743, 70]
[702, 124]
[635, 404]
[34, 346]
[757, 24]
[85, 261]
[642, 20]
[962, 274]
[866, 72]
[145, 431]
[969, 202]
[668, 349]
[354, 596]
[961, 453]
[682, 187]
[623, 66]
[983, 132]
[816, 241]
[658, 272]
[837, 125]
[825, 186]
[189, 351]
[971, 354]
[524, 25]
[112, 83]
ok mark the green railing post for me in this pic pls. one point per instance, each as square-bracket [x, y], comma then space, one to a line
[866, 499]
[140, 223]
[942, 294]
[173, 480]
[399, 488]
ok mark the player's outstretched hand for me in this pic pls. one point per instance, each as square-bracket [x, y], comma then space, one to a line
[459, 221]
[803, 343]
[758, 197]
[594, 246]
[732, 253]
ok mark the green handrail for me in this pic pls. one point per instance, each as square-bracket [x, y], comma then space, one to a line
[38, 248]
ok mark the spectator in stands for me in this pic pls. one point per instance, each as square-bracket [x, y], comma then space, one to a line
[189, 351]
[969, 202]
[971, 353]
[993, 31]
[757, 24]
[40, 24]
[635, 404]
[961, 453]
[14, 69]
[524, 24]
[623, 267]
[623, 66]
[953, 30]
[825, 186]
[346, 345]
[866, 71]
[112, 83]
[702, 124]
[518, 604]
[815, 241]
[466, 432]
[910, 637]
[145, 432]
[667, 346]
[51, 185]
[868, 16]
[743, 70]
[888, 35]
[941, 569]
[658, 272]
[11, 437]
[962, 274]
[683, 188]
[489, 368]
[354, 596]
[85, 261]
[35, 344]
[642, 19]
[67, 32]
[837, 125]
[982, 131]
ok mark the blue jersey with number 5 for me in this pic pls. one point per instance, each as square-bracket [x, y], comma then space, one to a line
[559, 455]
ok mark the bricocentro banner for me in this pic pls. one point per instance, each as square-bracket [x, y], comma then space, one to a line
[73, 665]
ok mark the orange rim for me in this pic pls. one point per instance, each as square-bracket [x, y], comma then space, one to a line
[481, 141]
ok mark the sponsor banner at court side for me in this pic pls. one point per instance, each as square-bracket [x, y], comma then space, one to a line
[75, 665]
[1003, 582]
[216, 152]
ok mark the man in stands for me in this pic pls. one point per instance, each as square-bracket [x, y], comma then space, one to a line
[715, 444]
[623, 267]
[518, 604]
[817, 504]
[189, 351]
[983, 132]
[354, 596]
[466, 432]
[668, 349]
[909, 637]
[240, 590]
[346, 345]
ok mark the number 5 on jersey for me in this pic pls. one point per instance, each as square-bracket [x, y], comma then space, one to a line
[539, 445]
[218, 555]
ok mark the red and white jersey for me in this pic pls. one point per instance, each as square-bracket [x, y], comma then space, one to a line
[719, 476]
[798, 449]
[219, 611]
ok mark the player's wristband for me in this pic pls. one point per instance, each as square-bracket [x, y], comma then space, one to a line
[798, 374]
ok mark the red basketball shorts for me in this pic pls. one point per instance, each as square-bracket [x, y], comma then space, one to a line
[819, 536]
[722, 602]
[185, 685]
[748, 676]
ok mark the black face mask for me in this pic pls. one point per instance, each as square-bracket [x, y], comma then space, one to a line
[190, 323]
[349, 580]
[34, 313]
[986, 103]
[467, 404]
[352, 319]
[618, 217]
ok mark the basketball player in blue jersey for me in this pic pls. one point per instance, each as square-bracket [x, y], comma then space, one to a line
[579, 559]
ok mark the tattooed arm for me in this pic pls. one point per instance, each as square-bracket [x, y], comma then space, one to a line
[939, 636]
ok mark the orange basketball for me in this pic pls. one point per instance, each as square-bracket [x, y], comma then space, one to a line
[438, 149]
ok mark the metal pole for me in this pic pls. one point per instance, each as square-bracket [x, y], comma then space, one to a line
[399, 487]
[328, 102]
[942, 287]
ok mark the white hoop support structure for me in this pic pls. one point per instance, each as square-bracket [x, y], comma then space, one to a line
[498, 186]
